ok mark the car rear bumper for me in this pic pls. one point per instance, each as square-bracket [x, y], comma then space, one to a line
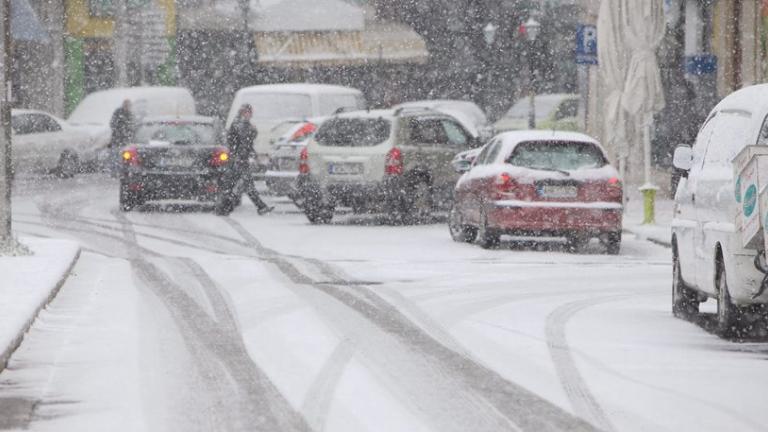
[198, 186]
[281, 182]
[555, 218]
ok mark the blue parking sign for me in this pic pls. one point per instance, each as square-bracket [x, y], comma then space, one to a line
[586, 45]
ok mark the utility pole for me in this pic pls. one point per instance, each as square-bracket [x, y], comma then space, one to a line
[6, 236]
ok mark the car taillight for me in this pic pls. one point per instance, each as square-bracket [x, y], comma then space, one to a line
[304, 132]
[304, 161]
[130, 156]
[504, 182]
[220, 157]
[615, 190]
[394, 162]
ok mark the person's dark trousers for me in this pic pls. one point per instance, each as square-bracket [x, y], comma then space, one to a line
[239, 181]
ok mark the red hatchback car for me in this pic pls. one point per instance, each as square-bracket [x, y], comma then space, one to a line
[539, 183]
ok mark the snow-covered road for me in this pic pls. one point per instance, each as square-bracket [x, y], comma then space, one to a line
[189, 321]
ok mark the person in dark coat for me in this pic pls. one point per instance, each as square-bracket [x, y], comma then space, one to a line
[123, 125]
[240, 139]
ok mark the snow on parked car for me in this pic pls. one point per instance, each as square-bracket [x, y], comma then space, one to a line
[284, 158]
[44, 143]
[539, 183]
[710, 257]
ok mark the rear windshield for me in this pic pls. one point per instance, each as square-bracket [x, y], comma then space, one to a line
[557, 155]
[353, 132]
[177, 133]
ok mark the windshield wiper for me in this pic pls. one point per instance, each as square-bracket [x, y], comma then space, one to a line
[551, 169]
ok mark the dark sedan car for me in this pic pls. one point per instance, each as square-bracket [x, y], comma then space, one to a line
[174, 158]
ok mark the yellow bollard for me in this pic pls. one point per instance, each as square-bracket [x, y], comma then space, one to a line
[649, 203]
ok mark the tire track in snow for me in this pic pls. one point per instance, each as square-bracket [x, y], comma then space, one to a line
[576, 389]
[245, 398]
[479, 386]
[219, 346]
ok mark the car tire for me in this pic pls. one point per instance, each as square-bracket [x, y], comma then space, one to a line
[612, 243]
[576, 243]
[420, 203]
[729, 316]
[460, 232]
[487, 237]
[69, 165]
[320, 215]
[685, 301]
[129, 199]
[224, 205]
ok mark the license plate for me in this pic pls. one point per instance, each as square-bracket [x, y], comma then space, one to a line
[286, 164]
[345, 168]
[558, 191]
[176, 161]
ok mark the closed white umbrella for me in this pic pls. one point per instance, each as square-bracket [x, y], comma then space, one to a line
[629, 33]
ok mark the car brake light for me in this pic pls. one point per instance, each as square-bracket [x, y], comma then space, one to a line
[220, 157]
[130, 156]
[304, 161]
[394, 162]
[304, 132]
[614, 181]
[504, 182]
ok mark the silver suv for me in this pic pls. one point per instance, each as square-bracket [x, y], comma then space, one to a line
[393, 161]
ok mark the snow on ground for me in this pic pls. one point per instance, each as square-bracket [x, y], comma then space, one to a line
[188, 321]
[26, 283]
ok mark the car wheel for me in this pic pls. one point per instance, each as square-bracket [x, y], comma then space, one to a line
[419, 203]
[460, 232]
[69, 165]
[685, 302]
[729, 316]
[319, 214]
[612, 243]
[129, 199]
[224, 205]
[576, 243]
[487, 237]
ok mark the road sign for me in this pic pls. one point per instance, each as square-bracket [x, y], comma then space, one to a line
[586, 45]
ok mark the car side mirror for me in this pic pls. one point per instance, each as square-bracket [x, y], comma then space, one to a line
[462, 166]
[683, 158]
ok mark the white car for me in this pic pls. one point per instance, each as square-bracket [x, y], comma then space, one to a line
[44, 143]
[396, 162]
[708, 257]
[278, 107]
[471, 116]
[552, 111]
[95, 111]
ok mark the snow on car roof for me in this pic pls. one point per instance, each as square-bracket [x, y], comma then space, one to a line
[302, 88]
[512, 139]
[751, 101]
[183, 118]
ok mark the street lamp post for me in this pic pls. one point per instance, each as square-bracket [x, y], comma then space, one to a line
[6, 237]
[489, 35]
[532, 28]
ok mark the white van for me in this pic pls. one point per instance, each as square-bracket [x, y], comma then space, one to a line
[277, 107]
[95, 111]
[708, 254]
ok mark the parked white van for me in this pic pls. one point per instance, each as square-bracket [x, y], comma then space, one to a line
[277, 107]
[708, 254]
[95, 110]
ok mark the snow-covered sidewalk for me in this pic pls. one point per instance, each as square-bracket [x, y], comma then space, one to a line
[27, 284]
[660, 232]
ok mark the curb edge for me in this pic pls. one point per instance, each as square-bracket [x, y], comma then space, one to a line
[5, 356]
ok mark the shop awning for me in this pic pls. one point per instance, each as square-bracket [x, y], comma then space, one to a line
[378, 43]
[25, 26]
